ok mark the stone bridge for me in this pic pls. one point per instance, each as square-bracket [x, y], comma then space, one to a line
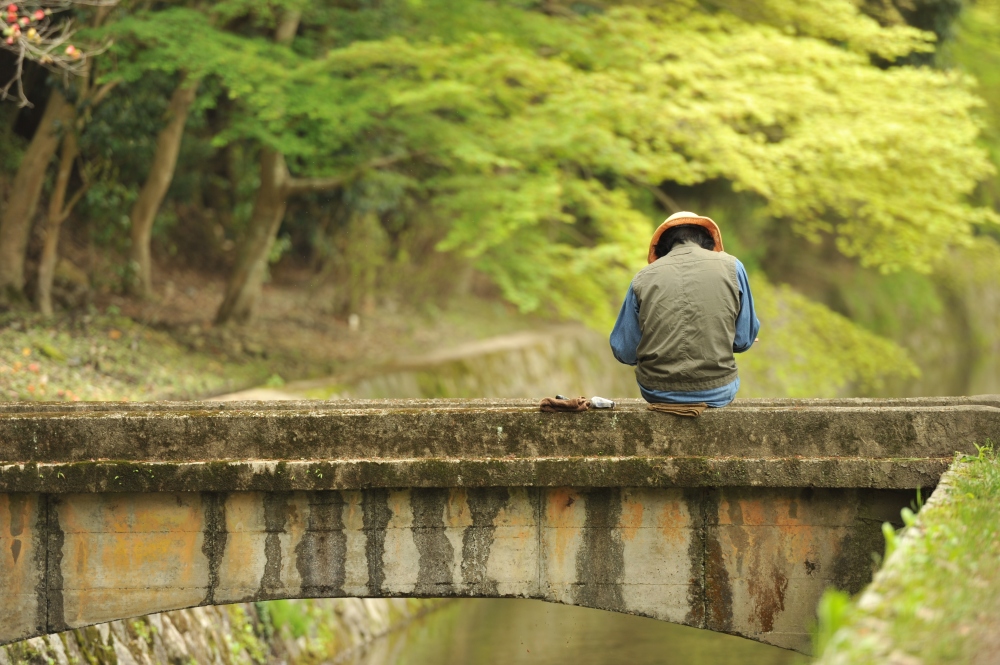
[733, 522]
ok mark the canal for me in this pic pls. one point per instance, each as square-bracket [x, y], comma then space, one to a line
[515, 632]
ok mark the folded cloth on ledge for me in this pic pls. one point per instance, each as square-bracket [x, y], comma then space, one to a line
[571, 405]
[686, 410]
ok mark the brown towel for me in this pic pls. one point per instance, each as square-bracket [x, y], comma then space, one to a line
[573, 404]
[686, 410]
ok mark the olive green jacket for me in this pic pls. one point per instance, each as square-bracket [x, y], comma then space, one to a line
[688, 303]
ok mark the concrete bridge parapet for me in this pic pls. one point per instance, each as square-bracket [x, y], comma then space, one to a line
[734, 522]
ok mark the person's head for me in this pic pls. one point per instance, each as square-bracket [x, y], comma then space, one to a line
[676, 235]
[680, 227]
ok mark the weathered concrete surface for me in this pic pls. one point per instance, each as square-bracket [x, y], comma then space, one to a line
[749, 561]
[734, 522]
[482, 443]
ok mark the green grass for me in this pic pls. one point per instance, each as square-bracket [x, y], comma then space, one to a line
[109, 357]
[936, 600]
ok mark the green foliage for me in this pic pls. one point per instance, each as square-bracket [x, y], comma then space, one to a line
[891, 540]
[837, 22]
[891, 304]
[143, 630]
[281, 245]
[523, 141]
[244, 644]
[528, 137]
[807, 350]
[293, 616]
[832, 613]
[976, 50]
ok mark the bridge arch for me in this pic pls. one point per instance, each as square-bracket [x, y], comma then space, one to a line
[744, 561]
[733, 522]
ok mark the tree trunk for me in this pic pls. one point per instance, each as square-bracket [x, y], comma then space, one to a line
[247, 278]
[58, 212]
[245, 283]
[161, 173]
[15, 227]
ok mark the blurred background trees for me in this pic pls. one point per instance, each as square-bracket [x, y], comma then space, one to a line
[410, 151]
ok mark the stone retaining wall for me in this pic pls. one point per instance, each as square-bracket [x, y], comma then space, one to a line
[241, 634]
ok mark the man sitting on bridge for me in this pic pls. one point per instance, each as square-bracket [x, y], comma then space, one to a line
[685, 315]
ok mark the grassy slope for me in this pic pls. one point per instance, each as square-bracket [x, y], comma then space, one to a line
[113, 357]
[935, 600]
[101, 357]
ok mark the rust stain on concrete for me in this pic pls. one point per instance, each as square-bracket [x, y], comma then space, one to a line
[559, 511]
[752, 512]
[631, 516]
[242, 565]
[564, 515]
[23, 596]
[768, 597]
[123, 540]
[456, 514]
[519, 511]
[673, 520]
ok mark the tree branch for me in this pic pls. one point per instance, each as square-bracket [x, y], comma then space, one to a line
[555, 9]
[77, 195]
[288, 25]
[103, 92]
[31, 33]
[665, 200]
[305, 185]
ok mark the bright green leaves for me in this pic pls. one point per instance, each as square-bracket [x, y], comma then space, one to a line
[837, 21]
[564, 243]
[252, 70]
[528, 135]
[976, 50]
[883, 158]
[806, 350]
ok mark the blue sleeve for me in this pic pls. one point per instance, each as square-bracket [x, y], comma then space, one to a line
[747, 325]
[626, 334]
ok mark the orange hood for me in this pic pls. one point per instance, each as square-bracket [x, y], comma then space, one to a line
[679, 219]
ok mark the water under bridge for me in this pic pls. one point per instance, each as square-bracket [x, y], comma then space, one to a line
[735, 521]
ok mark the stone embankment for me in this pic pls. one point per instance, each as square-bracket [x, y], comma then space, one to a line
[246, 633]
[935, 599]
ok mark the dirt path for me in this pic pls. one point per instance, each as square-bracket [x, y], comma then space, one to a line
[499, 343]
